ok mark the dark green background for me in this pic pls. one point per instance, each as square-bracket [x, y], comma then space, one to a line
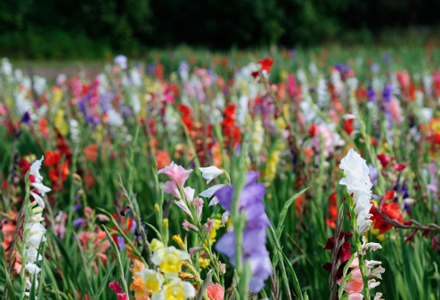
[60, 29]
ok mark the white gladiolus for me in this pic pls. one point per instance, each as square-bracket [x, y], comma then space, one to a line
[358, 184]
[121, 61]
[35, 230]
[210, 173]
[211, 191]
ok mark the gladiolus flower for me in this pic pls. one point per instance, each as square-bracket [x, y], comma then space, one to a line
[266, 64]
[177, 173]
[215, 292]
[210, 173]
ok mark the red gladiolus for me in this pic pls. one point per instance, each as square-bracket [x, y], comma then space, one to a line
[266, 64]
[344, 253]
[384, 159]
[312, 130]
[24, 165]
[91, 153]
[348, 126]
[230, 131]
[390, 209]
[186, 116]
[333, 212]
[52, 158]
[399, 167]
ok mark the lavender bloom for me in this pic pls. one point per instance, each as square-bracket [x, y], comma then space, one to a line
[386, 58]
[151, 68]
[375, 68]
[77, 207]
[371, 95]
[374, 174]
[292, 53]
[121, 60]
[78, 222]
[121, 243]
[387, 92]
[254, 235]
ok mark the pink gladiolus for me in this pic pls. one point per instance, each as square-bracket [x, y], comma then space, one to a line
[198, 203]
[355, 284]
[177, 173]
[187, 225]
[355, 296]
[117, 289]
[170, 187]
[189, 194]
[393, 107]
[183, 206]
[215, 292]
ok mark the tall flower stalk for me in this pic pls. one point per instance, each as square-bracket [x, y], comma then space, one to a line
[33, 229]
[358, 184]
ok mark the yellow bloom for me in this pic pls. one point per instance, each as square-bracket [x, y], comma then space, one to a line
[156, 245]
[176, 290]
[153, 280]
[169, 260]
[179, 241]
[213, 232]
[204, 262]
[60, 123]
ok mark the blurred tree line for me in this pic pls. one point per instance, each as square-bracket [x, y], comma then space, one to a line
[93, 28]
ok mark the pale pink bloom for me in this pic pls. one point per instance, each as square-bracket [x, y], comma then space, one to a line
[403, 78]
[328, 140]
[193, 250]
[355, 284]
[334, 115]
[183, 206]
[393, 107]
[355, 296]
[187, 225]
[177, 173]
[215, 292]
[209, 226]
[198, 203]
[170, 187]
[59, 227]
[103, 218]
[189, 194]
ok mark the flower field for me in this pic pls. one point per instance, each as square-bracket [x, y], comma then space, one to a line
[247, 175]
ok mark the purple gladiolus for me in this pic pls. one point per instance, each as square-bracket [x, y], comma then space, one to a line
[26, 118]
[254, 235]
[387, 92]
[78, 222]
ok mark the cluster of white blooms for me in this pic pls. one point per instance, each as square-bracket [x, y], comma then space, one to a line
[35, 229]
[359, 185]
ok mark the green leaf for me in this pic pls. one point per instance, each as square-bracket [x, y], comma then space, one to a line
[285, 210]
[205, 285]
[11, 291]
[104, 281]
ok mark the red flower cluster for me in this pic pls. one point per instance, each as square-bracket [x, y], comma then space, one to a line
[384, 159]
[348, 126]
[186, 117]
[230, 131]
[266, 64]
[390, 209]
[333, 212]
[59, 173]
[344, 253]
